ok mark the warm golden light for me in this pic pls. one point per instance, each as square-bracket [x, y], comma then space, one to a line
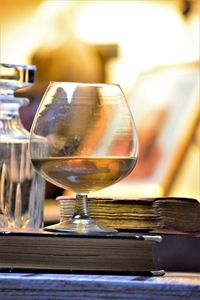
[147, 34]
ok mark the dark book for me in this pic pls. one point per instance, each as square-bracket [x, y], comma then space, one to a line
[117, 253]
[178, 252]
[172, 213]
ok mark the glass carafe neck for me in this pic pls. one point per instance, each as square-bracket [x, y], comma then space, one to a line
[11, 127]
[13, 77]
[9, 106]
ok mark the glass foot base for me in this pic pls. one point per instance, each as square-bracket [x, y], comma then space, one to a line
[85, 226]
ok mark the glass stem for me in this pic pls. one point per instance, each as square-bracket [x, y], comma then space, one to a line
[81, 208]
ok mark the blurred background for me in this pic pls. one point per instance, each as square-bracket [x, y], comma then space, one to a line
[132, 43]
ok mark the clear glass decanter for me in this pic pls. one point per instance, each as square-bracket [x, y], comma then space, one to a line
[21, 188]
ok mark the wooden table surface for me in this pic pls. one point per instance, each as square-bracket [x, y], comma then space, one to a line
[77, 287]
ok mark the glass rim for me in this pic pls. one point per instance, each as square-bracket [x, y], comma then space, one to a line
[97, 84]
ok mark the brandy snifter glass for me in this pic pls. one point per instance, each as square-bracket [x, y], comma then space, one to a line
[83, 139]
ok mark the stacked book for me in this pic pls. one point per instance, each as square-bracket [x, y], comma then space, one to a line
[121, 253]
[137, 247]
[141, 214]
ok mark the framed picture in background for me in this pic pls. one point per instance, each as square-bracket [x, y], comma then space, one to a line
[165, 105]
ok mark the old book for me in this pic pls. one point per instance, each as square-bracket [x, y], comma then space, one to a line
[173, 213]
[118, 253]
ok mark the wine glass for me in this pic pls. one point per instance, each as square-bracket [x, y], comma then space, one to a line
[83, 138]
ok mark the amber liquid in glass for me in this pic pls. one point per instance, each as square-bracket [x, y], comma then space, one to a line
[83, 174]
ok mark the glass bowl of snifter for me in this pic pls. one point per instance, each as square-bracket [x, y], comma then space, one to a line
[83, 139]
